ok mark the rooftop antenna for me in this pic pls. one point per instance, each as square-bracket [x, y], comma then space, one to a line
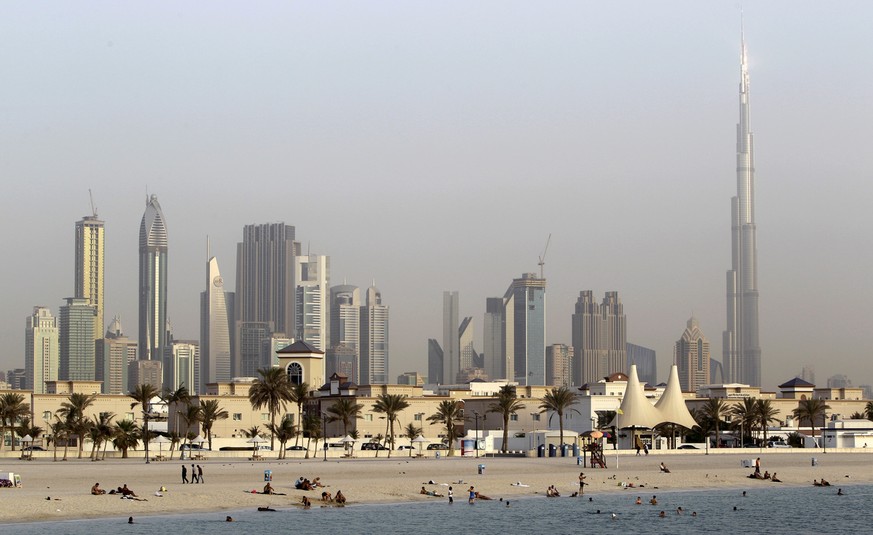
[93, 208]
[542, 261]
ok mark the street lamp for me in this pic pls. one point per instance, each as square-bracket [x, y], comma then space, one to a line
[145, 435]
[476, 438]
[534, 438]
[324, 438]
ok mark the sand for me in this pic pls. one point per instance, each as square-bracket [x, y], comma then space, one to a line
[61, 490]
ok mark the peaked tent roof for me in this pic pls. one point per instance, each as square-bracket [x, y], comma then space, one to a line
[636, 410]
[671, 407]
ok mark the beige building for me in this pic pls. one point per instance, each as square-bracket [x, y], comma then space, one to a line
[691, 356]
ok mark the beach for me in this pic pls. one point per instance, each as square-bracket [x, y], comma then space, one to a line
[61, 490]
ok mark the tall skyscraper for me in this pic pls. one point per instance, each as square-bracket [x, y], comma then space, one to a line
[451, 346]
[77, 356]
[524, 306]
[345, 323]
[312, 293]
[115, 353]
[185, 354]
[599, 338]
[434, 362]
[152, 283]
[646, 360]
[691, 356]
[559, 365]
[216, 321]
[41, 351]
[492, 335]
[465, 342]
[265, 276]
[251, 337]
[89, 266]
[374, 339]
[740, 342]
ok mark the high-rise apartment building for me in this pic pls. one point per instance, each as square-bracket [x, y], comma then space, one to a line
[451, 346]
[559, 365]
[492, 338]
[216, 323]
[691, 356]
[152, 282]
[41, 351]
[311, 306]
[374, 339]
[251, 337]
[342, 360]
[599, 338]
[345, 328]
[646, 360]
[185, 354]
[741, 349]
[77, 357]
[434, 362]
[89, 268]
[465, 342]
[524, 306]
[115, 353]
[265, 277]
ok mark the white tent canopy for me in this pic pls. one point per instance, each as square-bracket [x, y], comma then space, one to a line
[672, 406]
[635, 410]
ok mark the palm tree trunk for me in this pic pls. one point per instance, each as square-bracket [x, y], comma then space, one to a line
[505, 432]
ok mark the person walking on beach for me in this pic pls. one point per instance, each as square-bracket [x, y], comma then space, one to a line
[184, 474]
[194, 478]
[472, 497]
[451, 495]
[200, 474]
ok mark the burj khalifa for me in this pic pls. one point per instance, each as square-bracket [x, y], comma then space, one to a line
[741, 348]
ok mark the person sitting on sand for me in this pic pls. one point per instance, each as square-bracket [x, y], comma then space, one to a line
[299, 483]
[825, 483]
[664, 468]
[317, 482]
[268, 489]
[766, 474]
[126, 491]
[306, 485]
[430, 493]
[775, 479]
[306, 503]
[339, 498]
[96, 490]
[326, 497]
[815, 483]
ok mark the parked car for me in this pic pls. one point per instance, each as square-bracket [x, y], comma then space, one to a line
[33, 448]
[405, 447]
[296, 448]
[371, 446]
[437, 447]
[777, 444]
[194, 447]
[336, 445]
[687, 447]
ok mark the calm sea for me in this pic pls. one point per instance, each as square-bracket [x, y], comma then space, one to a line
[770, 510]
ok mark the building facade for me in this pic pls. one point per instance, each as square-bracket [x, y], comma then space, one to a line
[691, 356]
[451, 346]
[311, 306]
[115, 353]
[741, 349]
[89, 266]
[216, 324]
[524, 306]
[374, 339]
[77, 356]
[559, 365]
[599, 338]
[434, 362]
[493, 326]
[41, 349]
[646, 360]
[152, 283]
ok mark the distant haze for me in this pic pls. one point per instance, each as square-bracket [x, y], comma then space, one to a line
[434, 146]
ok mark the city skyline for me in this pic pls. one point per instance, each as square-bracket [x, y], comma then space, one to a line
[603, 117]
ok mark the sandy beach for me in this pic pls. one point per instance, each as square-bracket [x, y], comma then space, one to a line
[61, 490]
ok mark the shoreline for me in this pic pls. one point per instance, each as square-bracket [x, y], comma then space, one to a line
[387, 481]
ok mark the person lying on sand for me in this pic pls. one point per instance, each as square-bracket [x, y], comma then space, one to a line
[518, 484]
[481, 496]
[430, 493]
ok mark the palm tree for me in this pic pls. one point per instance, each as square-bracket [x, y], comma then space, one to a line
[766, 413]
[390, 405]
[704, 423]
[715, 409]
[173, 399]
[12, 409]
[142, 396]
[100, 430]
[344, 410]
[59, 432]
[868, 410]
[312, 429]
[449, 413]
[411, 431]
[252, 432]
[506, 405]
[557, 401]
[746, 414]
[299, 393]
[857, 416]
[126, 435]
[211, 412]
[191, 415]
[271, 390]
[811, 410]
[24, 429]
[73, 413]
[284, 431]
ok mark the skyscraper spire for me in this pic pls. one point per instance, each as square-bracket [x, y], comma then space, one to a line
[740, 343]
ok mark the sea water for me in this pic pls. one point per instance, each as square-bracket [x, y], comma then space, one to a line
[770, 509]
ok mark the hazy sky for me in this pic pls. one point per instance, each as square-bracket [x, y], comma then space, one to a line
[435, 145]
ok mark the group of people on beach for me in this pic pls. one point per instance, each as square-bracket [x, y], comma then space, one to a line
[305, 484]
[196, 474]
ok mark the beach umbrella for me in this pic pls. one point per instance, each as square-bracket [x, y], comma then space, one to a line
[160, 441]
[348, 442]
[596, 434]
[420, 440]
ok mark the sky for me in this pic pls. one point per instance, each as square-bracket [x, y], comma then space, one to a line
[435, 146]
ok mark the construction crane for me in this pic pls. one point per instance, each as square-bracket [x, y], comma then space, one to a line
[542, 261]
[93, 208]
